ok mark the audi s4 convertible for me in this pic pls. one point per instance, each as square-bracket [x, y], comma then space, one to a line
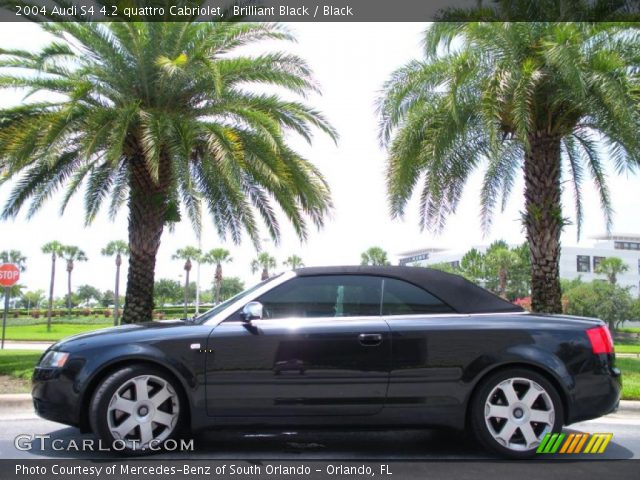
[344, 346]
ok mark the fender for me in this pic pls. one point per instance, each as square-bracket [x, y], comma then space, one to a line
[523, 355]
[100, 361]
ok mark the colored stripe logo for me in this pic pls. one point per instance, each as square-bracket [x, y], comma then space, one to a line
[574, 443]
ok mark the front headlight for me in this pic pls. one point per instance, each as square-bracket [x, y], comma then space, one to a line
[54, 359]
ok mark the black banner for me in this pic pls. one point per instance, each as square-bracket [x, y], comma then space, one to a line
[302, 470]
[319, 10]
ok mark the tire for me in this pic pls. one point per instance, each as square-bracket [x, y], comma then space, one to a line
[513, 410]
[136, 409]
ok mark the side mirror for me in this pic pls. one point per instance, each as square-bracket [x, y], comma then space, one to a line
[252, 311]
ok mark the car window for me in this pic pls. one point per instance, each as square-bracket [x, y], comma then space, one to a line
[221, 306]
[324, 296]
[403, 298]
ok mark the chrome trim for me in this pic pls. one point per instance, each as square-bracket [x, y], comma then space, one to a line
[217, 319]
[293, 320]
[421, 316]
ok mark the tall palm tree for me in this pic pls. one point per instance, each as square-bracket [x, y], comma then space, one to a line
[217, 256]
[117, 248]
[293, 262]
[515, 98]
[56, 249]
[265, 262]
[374, 256]
[187, 254]
[163, 117]
[14, 256]
[71, 254]
[611, 267]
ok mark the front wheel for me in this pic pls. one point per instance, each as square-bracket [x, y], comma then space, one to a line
[513, 410]
[136, 409]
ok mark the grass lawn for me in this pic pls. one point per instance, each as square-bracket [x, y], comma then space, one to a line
[18, 363]
[627, 348]
[629, 329]
[58, 331]
[630, 377]
[16, 367]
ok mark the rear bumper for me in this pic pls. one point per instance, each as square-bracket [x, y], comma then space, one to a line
[596, 394]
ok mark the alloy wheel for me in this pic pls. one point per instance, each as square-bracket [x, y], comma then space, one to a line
[142, 410]
[518, 413]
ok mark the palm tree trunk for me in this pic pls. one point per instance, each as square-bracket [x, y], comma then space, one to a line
[186, 292]
[218, 283]
[69, 270]
[53, 277]
[116, 312]
[502, 275]
[147, 209]
[543, 220]
[265, 274]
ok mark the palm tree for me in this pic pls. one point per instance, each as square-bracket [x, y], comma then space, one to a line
[501, 262]
[14, 256]
[71, 254]
[472, 266]
[515, 98]
[163, 117]
[56, 249]
[293, 262]
[117, 248]
[611, 267]
[374, 256]
[187, 254]
[217, 257]
[265, 262]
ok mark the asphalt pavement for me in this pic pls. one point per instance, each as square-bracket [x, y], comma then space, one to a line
[373, 445]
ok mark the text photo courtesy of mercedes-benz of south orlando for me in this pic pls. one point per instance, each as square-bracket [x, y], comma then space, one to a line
[313, 239]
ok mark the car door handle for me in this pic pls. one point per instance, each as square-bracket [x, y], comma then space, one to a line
[370, 339]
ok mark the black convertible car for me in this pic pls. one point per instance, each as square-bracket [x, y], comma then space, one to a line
[347, 346]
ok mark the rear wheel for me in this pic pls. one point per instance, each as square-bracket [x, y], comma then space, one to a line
[136, 409]
[513, 410]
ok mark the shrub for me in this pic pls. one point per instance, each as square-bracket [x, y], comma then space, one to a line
[524, 302]
[107, 312]
[35, 313]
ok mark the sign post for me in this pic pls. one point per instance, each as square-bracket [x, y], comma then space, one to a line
[9, 276]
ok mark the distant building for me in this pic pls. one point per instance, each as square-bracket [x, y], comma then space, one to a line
[574, 261]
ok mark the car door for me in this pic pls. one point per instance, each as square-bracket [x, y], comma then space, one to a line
[321, 348]
[429, 349]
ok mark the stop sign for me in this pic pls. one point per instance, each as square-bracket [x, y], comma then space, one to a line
[9, 274]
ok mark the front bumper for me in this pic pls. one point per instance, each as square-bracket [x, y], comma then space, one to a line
[54, 396]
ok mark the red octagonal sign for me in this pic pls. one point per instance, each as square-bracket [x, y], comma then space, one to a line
[9, 274]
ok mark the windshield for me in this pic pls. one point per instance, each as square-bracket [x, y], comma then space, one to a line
[221, 306]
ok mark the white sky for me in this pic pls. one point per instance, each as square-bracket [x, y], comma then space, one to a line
[351, 61]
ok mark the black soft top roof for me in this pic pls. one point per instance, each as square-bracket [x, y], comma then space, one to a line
[459, 293]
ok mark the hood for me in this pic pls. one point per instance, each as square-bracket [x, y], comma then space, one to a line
[116, 335]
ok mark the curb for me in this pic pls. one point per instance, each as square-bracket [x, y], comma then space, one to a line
[16, 401]
[626, 406]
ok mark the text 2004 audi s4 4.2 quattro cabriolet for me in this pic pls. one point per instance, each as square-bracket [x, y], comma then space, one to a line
[342, 346]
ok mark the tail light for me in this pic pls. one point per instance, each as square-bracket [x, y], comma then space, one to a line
[600, 338]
